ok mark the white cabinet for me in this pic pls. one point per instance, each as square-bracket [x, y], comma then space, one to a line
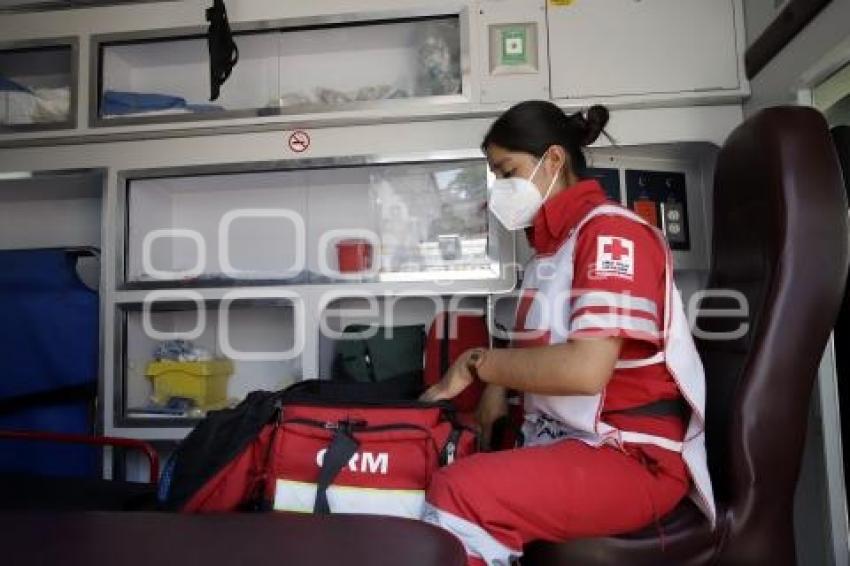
[617, 48]
[260, 267]
[394, 222]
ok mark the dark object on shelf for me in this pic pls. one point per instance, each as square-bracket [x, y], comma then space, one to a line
[779, 239]
[223, 50]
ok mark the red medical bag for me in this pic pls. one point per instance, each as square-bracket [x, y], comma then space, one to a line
[318, 451]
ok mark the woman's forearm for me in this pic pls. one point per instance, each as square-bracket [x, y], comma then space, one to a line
[577, 367]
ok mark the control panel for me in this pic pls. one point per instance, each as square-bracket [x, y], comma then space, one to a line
[660, 198]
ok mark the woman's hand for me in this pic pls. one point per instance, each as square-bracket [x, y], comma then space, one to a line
[457, 378]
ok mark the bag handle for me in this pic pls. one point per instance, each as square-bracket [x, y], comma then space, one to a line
[342, 447]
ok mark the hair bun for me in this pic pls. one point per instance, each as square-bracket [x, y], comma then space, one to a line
[594, 122]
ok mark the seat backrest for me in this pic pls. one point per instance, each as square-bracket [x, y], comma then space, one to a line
[780, 241]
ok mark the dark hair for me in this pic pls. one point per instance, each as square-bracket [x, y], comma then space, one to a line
[535, 125]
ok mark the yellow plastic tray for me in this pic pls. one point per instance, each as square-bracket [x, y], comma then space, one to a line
[203, 382]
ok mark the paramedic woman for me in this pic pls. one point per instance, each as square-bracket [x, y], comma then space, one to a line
[613, 387]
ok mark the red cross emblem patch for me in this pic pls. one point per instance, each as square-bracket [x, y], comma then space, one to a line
[615, 257]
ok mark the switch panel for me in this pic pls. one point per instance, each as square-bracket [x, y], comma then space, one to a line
[660, 198]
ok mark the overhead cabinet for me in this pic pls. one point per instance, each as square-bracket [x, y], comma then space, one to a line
[304, 67]
[610, 48]
[150, 72]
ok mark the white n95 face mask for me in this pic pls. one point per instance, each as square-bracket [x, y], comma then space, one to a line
[515, 201]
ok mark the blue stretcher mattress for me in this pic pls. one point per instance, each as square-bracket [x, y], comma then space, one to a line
[48, 343]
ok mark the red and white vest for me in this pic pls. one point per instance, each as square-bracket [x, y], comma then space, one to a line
[578, 417]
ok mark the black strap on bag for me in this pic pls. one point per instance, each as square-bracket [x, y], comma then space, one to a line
[444, 345]
[224, 53]
[342, 447]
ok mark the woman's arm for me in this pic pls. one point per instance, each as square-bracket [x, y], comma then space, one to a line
[577, 367]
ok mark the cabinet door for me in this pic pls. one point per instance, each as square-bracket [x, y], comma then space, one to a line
[630, 47]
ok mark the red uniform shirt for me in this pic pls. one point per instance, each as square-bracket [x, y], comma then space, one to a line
[618, 291]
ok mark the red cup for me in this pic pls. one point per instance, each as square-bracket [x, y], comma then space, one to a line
[354, 255]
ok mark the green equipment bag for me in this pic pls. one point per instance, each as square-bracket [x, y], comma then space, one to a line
[391, 357]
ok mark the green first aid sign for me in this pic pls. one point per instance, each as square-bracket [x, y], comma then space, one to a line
[515, 46]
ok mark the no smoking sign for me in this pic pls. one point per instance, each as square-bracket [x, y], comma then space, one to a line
[299, 141]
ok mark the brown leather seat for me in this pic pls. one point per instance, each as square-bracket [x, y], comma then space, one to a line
[780, 239]
[273, 539]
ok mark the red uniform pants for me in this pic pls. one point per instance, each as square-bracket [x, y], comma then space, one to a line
[497, 502]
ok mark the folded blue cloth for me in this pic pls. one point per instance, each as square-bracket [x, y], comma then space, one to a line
[118, 102]
[8, 85]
